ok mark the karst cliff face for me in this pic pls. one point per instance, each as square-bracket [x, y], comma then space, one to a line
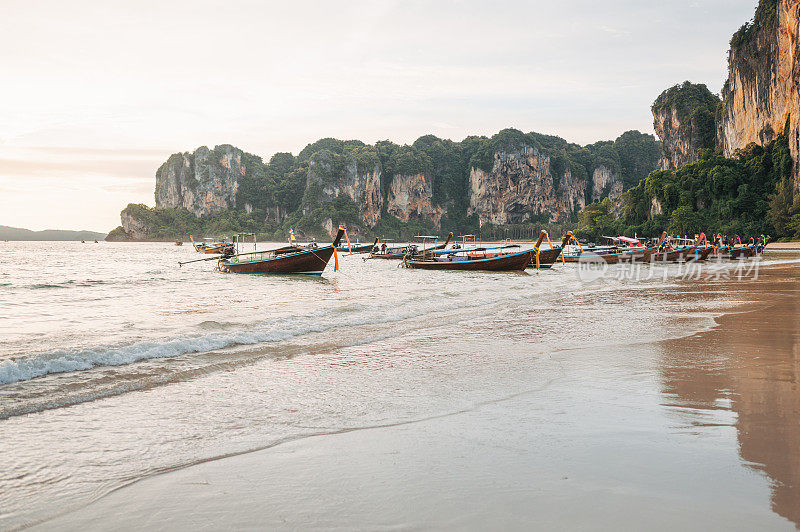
[204, 182]
[509, 178]
[606, 183]
[334, 178]
[519, 186]
[679, 145]
[411, 197]
[134, 227]
[763, 88]
[684, 119]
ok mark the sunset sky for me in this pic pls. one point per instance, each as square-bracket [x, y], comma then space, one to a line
[96, 95]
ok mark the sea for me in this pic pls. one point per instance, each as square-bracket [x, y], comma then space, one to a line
[118, 364]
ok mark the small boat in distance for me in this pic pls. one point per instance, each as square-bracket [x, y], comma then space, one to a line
[290, 259]
[178, 242]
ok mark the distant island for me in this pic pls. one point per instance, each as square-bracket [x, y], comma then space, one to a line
[17, 233]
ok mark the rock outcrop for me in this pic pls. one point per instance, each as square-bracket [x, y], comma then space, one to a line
[510, 178]
[331, 176]
[411, 198]
[762, 93]
[606, 183]
[204, 182]
[135, 227]
[683, 118]
[520, 186]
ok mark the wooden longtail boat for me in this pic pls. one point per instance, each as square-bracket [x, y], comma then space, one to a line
[681, 254]
[213, 247]
[290, 259]
[461, 261]
[360, 248]
[620, 244]
[702, 253]
[743, 252]
[402, 251]
[547, 257]
[641, 255]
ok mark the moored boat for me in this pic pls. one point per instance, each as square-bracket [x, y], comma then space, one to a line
[680, 254]
[289, 259]
[619, 244]
[625, 257]
[360, 248]
[213, 247]
[461, 260]
[545, 258]
[398, 252]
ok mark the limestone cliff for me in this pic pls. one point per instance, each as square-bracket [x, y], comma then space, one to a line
[606, 183]
[520, 186]
[204, 182]
[331, 176]
[762, 93]
[135, 227]
[511, 177]
[683, 118]
[411, 197]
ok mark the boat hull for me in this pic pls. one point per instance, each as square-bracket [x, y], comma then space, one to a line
[702, 254]
[620, 258]
[676, 255]
[311, 262]
[502, 263]
[215, 249]
[547, 258]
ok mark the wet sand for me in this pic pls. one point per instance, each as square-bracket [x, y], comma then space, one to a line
[695, 433]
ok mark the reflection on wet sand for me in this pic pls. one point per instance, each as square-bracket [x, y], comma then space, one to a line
[749, 365]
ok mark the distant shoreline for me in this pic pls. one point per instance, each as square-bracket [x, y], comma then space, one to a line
[18, 234]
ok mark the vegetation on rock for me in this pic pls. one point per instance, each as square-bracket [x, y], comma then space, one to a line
[748, 194]
[289, 191]
[695, 106]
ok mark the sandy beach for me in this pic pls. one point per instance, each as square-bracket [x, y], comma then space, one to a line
[698, 432]
[784, 246]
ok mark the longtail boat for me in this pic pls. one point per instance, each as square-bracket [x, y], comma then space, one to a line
[702, 253]
[742, 252]
[289, 259]
[399, 252]
[681, 254]
[461, 260]
[361, 248]
[178, 242]
[619, 244]
[213, 247]
[640, 255]
[545, 258]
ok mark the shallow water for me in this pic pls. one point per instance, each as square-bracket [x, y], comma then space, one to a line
[115, 364]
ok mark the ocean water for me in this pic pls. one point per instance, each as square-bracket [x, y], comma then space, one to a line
[116, 364]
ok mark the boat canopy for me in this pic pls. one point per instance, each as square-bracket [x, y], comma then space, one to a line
[627, 240]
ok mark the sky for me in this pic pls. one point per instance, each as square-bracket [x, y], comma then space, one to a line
[95, 95]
